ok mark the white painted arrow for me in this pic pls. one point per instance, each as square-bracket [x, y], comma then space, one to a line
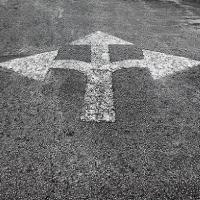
[34, 67]
[99, 95]
[98, 105]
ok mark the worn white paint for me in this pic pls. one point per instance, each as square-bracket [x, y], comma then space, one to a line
[34, 67]
[98, 105]
[99, 95]
[159, 64]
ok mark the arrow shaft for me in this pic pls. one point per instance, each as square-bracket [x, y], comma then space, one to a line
[99, 97]
[100, 55]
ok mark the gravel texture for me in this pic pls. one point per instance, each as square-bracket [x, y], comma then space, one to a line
[150, 152]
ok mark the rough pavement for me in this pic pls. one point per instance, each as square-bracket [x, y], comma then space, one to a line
[150, 152]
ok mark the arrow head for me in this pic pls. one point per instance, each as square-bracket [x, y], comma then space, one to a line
[100, 38]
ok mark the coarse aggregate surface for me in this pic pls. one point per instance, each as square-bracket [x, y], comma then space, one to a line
[151, 152]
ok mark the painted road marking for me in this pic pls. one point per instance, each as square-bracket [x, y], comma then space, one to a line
[99, 95]
[98, 105]
[34, 67]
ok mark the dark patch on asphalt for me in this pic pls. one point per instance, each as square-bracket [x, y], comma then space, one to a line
[74, 83]
[124, 52]
[75, 52]
[7, 76]
[186, 85]
[69, 86]
[69, 132]
[69, 82]
[190, 76]
[133, 94]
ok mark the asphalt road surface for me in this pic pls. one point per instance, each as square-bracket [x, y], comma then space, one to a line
[150, 152]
